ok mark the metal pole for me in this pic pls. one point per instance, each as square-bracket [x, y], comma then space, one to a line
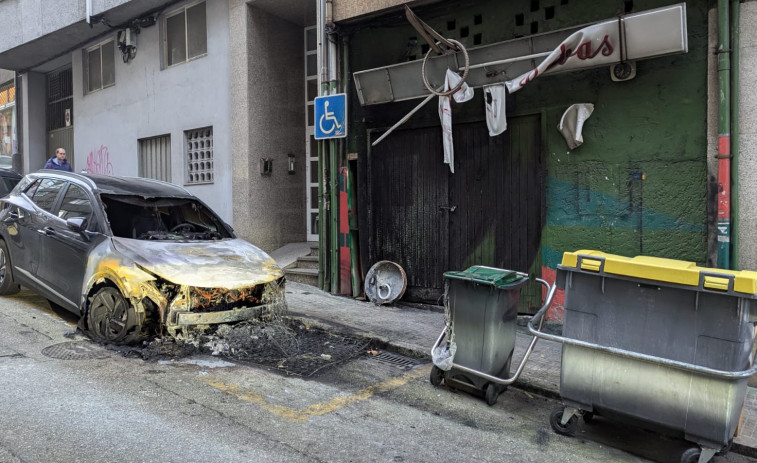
[724, 137]
[735, 43]
[323, 212]
[403, 120]
[333, 163]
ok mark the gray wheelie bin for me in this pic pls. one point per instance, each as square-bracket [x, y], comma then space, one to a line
[481, 305]
[657, 343]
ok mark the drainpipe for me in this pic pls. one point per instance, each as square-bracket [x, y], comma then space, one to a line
[17, 159]
[735, 18]
[724, 139]
[333, 161]
[323, 206]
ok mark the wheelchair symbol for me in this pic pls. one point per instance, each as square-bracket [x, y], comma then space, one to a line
[328, 116]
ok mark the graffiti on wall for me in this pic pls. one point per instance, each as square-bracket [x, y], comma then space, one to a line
[98, 161]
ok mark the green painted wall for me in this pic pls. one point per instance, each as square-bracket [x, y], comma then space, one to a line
[638, 183]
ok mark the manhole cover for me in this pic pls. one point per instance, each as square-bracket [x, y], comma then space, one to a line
[400, 361]
[74, 350]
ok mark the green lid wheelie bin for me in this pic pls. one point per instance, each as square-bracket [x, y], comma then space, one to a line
[481, 304]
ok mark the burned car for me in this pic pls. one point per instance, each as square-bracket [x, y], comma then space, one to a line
[133, 257]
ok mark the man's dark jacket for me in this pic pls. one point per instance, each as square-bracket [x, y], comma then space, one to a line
[54, 164]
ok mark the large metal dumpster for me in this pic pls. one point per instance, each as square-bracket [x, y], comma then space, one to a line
[657, 343]
[481, 305]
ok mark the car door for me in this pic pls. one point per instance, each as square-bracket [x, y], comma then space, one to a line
[30, 216]
[64, 257]
[22, 238]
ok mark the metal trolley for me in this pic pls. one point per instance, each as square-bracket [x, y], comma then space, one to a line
[482, 304]
[656, 343]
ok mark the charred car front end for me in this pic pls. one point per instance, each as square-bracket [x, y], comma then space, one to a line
[133, 257]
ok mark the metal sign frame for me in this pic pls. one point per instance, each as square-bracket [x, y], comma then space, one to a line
[330, 116]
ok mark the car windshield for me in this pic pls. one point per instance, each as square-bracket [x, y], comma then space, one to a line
[162, 219]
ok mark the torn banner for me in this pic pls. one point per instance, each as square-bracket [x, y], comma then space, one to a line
[464, 94]
[591, 46]
[494, 99]
[572, 123]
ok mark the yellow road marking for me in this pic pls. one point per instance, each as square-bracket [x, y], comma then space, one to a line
[299, 416]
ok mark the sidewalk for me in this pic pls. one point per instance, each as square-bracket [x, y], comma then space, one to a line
[414, 331]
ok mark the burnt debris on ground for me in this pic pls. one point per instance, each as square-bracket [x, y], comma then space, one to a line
[282, 344]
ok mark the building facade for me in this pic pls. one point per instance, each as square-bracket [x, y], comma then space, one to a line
[157, 89]
[644, 181]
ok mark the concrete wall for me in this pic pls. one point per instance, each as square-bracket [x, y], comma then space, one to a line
[32, 103]
[6, 75]
[268, 121]
[747, 213]
[347, 9]
[148, 101]
[37, 18]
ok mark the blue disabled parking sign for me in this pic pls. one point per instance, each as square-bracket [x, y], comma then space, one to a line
[330, 116]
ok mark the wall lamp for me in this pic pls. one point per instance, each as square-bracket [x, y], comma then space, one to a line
[266, 166]
[290, 164]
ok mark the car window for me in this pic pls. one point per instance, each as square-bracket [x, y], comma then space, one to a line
[32, 188]
[75, 204]
[47, 192]
[7, 185]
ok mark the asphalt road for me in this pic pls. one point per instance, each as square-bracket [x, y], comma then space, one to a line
[66, 399]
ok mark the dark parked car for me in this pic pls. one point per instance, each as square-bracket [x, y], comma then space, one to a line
[131, 256]
[8, 180]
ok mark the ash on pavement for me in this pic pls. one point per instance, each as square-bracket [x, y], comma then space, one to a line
[282, 345]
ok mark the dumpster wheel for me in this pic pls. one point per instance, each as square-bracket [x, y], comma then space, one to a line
[725, 449]
[691, 455]
[437, 375]
[568, 429]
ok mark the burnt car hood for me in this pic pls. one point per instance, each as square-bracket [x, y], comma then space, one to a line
[229, 263]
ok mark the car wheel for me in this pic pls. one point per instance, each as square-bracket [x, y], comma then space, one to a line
[111, 318]
[7, 285]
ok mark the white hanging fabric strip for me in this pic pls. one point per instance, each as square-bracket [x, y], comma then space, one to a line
[494, 100]
[464, 94]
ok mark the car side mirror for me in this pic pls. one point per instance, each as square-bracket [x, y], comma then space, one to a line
[77, 224]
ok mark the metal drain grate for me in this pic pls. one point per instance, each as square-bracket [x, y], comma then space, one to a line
[317, 350]
[75, 350]
[400, 361]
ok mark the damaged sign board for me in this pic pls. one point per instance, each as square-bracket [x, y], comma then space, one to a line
[132, 257]
[647, 34]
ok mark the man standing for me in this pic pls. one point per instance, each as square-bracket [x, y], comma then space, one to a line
[58, 162]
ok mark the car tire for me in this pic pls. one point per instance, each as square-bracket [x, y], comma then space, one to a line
[7, 285]
[111, 318]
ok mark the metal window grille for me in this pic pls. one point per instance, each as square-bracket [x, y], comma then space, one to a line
[155, 158]
[60, 91]
[198, 147]
[7, 94]
[311, 145]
